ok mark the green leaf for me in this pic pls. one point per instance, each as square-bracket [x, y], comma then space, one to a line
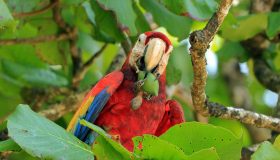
[106, 148]
[6, 19]
[24, 6]
[243, 28]
[167, 19]
[40, 77]
[22, 155]
[106, 25]
[210, 153]
[276, 143]
[151, 147]
[232, 50]
[173, 72]
[273, 26]
[141, 23]
[200, 9]
[124, 13]
[194, 136]
[9, 145]
[266, 151]
[49, 141]
[50, 53]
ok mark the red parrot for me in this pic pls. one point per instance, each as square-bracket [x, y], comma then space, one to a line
[117, 104]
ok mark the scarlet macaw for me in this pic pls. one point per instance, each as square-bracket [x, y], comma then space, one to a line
[111, 102]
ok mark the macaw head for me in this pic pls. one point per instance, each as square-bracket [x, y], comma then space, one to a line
[151, 53]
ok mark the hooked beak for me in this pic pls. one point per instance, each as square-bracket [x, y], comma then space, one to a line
[154, 52]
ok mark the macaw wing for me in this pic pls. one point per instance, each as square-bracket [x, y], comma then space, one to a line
[93, 104]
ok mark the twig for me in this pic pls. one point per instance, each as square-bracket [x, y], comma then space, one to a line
[199, 44]
[83, 70]
[69, 104]
[60, 37]
[91, 59]
[57, 17]
[33, 13]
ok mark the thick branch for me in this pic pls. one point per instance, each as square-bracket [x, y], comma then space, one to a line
[35, 40]
[246, 117]
[200, 41]
[33, 13]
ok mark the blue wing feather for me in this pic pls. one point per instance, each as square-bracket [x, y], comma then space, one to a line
[83, 132]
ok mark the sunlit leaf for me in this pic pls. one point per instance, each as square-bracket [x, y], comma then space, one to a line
[194, 136]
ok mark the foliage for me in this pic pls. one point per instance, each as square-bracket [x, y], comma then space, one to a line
[42, 73]
[25, 126]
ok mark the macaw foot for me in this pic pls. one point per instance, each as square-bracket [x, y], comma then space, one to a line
[116, 138]
[139, 84]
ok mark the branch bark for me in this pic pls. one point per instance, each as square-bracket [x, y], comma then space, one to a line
[200, 41]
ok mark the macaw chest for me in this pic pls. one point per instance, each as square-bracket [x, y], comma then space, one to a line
[118, 117]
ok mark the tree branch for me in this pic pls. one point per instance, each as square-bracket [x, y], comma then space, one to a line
[83, 70]
[33, 13]
[244, 116]
[200, 41]
[199, 44]
[60, 37]
[265, 75]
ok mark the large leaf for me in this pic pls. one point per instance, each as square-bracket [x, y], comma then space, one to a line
[106, 148]
[178, 26]
[124, 13]
[35, 76]
[43, 138]
[242, 28]
[193, 136]
[273, 26]
[151, 147]
[210, 153]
